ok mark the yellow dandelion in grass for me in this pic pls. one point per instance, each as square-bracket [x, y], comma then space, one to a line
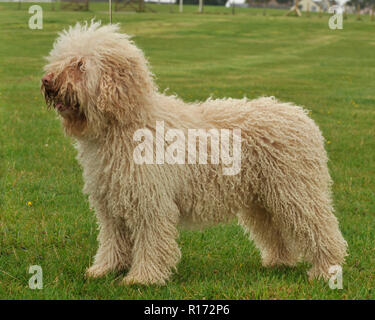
[328, 142]
[29, 203]
[354, 104]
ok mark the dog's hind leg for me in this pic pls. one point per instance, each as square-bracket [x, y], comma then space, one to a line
[329, 251]
[319, 239]
[324, 244]
[305, 214]
[115, 247]
[155, 250]
[268, 238]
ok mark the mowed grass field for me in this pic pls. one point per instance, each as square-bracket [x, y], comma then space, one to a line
[44, 218]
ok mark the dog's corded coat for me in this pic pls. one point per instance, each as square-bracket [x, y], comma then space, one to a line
[101, 84]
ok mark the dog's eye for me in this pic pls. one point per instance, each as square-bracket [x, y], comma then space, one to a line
[80, 65]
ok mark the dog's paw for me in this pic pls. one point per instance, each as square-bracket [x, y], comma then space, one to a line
[316, 273]
[130, 280]
[97, 271]
[270, 261]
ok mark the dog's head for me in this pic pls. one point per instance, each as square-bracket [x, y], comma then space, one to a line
[95, 77]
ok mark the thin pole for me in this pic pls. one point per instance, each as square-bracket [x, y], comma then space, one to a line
[110, 11]
[181, 5]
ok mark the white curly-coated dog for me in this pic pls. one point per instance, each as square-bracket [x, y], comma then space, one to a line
[100, 84]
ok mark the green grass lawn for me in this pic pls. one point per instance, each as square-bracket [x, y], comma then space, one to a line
[332, 73]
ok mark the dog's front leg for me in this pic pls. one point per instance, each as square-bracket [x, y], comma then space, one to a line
[115, 247]
[155, 250]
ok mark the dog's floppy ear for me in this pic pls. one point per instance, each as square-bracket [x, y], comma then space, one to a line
[109, 100]
[124, 91]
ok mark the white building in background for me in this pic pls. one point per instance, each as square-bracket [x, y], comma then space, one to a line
[315, 5]
[309, 5]
[324, 4]
[237, 3]
[346, 8]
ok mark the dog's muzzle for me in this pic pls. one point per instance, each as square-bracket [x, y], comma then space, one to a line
[47, 82]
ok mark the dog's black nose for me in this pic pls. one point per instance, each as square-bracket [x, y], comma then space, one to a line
[47, 80]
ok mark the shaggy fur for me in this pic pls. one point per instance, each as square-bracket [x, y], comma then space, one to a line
[101, 86]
